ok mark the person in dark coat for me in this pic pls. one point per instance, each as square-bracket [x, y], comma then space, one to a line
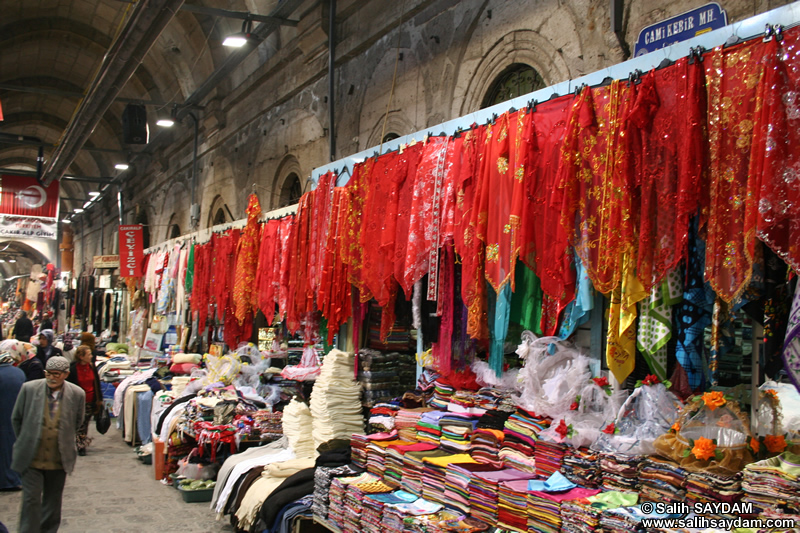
[46, 348]
[23, 328]
[47, 323]
[11, 380]
[83, 373]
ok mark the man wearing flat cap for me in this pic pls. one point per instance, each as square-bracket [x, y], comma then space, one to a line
[46, 416]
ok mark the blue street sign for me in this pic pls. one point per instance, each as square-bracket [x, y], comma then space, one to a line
[680, 28]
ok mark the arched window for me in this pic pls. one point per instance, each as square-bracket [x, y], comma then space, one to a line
[219, 217]
[390, 137]
[291, 191]
[516, 80]
[174, 231]
[141, 218]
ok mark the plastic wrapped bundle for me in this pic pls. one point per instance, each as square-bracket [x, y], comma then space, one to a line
[554, 374]
[647, 414]
[336, 400]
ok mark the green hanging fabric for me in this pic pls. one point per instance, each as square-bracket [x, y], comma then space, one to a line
[499, 326]
[189, 271]
[655, 322]
[526, 302]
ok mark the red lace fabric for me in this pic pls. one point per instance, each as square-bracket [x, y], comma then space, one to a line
[320, 224]
[352, 251]
[202, 282]
[424, 220]
[596, 190]
[334, 295]
[544, 245]
[453, 162]
[665, 136]
[733, 76]
[244, 297]
[775, 159]
[284, 265]
[394, 237]
[468, 246]
[224, 247]
[443, 349]
[266, 273]
[301, 299]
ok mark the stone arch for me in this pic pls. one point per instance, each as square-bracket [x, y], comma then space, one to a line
[288, 170]
[396, 123]
[520, 46]
[173, 229]
[217, 207]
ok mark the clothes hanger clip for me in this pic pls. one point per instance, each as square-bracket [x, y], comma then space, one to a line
[666, 62]
[732, 40]
[512, 110]
[553, 96]
[608, 80]
[768, 30]
[778, 32]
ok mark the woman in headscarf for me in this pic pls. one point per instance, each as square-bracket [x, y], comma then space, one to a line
[11, 380]
[46, 348]
[25, 356]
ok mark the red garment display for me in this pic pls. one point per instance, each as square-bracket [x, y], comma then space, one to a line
[318, 232]
[664, 143]
[352, 251]
[775, 162]
[283, 264]
[300, 298]
[334, 295]
[597, 191]
[201, 287]
[265, 275]
[246, 262]
[733, 75]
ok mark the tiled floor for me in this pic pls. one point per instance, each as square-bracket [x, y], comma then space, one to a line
[111, 491]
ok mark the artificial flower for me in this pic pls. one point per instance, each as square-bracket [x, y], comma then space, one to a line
[775, 443]
[704, 448]
[714, 399]
[609, 429]
[676, 427]
[601, 382]
[772, 393]
[754, 444]
[562, 429]
[651, 379]
[573, 406]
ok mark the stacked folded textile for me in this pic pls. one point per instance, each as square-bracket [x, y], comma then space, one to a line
[620, 471]
[490, 398]
[485, 444]
[323, 477]
[625, 519]
[358, 446]
[484, 488]
[521, 431]
[464, 401]
[268, 424]
[456, 483]
[413, 467]
[544, 508]
[296, 421]
[712, 487]
[399, 517]
[392, 520]
[353, 502]
[582, 466]
[336, 400]
[406, 422]
[773, 483]
[548, 457]
[393, 472]
[381, 418]
[662, 480]
[336, 507]
[428, 429]
[442, 393]
[457, 432]
[512, 505]
[445, 521]
[583, 515]
[434, 470]
[374, 504]
[375, 459]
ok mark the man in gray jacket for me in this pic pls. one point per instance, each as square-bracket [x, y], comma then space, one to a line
[46, 416]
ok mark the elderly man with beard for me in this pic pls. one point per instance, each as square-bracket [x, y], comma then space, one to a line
[46, 417]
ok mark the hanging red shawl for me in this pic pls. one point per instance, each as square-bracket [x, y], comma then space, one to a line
[284, 265]
[453, 162]
[665, 134]
[265, 275]
[320, 223]
[300, 299]
[425, 219]
[244, 294]
[352, 251]
[733, 76]
[202, 282]
[775, 163]
[596, 188]
[544, 245]
[334, 294]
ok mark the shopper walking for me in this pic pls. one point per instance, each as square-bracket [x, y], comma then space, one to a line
[23, 328]
[83, 373]
[46, 348]
[11, 380]
[46, 417]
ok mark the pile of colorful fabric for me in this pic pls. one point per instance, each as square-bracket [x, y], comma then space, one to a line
[268, 425]
[484, 488]
[512, 506]
[713, 487]
[442, 393]
[381, 418]
[456, 483]
[323, 477]
[544, 508]
[358, 446]
[620, 471]
[627, 519]
[521, 430]
[428, 429]
[413, 467]
[399, 517]
[583, 515]
[773, 483]
[406, 422]
[485, 446]
[549, 456]
[394, 463]
[662, 480]
[457, 432]
[354, 502]
[582, 466]
[491, 398]
[434, 470]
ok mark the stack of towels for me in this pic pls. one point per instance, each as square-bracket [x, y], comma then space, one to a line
[336, 400]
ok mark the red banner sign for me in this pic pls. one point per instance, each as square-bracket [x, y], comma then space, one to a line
[131, 251]
[24, 196]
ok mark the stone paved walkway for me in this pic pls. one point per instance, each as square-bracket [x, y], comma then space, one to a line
[112, 491]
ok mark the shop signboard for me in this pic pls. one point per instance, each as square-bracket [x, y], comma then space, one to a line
[17, 227]
[131, 249]
[680, 28]
[106, 261]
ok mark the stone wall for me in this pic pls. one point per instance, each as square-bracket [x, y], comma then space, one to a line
[270, 120]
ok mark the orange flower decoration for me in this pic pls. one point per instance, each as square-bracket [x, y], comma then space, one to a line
[755, 445]
[772, 393]
[775, 443]
[704, 448]
[676, 427]
[714, 399]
